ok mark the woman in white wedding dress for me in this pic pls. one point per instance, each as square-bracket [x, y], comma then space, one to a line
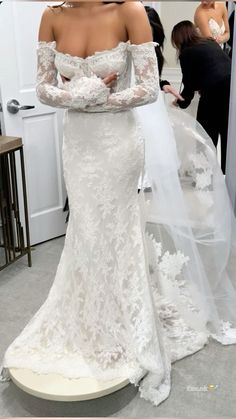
[125, 302]
[211, 18]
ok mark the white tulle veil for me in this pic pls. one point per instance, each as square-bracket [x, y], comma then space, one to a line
[189, 211]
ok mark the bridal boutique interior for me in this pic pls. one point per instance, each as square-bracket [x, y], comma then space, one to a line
[202, 384]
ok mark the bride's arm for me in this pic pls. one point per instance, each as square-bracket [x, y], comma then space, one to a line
[144, 60]
[89, 91]
[201, 22]
[225, 37]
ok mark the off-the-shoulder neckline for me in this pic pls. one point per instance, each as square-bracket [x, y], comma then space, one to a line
[96, 53]
[127, 44]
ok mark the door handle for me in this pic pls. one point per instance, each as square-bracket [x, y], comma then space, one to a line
[13, 106]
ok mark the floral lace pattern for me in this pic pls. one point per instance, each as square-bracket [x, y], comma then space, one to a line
[86, 91]
[202, 175]
[216, 29]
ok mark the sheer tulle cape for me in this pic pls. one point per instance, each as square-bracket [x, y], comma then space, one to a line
[189, 209]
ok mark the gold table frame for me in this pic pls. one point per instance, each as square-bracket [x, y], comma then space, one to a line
[13, 240]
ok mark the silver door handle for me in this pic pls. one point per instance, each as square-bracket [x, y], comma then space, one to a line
[13, 106]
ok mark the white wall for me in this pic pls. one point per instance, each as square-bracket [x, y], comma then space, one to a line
[155, 4]
[172, 12]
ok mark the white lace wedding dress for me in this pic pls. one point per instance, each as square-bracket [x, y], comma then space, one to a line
[216, 29]
[113, 310]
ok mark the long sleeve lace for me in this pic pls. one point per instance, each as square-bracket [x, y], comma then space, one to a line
[146, 86]
[83, 92]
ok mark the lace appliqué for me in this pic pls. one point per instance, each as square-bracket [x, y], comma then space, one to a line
[92, 91]
[146, 81]
[86, 91]
[228, 333]
[181, 338]
[77, 94]
[202, 175]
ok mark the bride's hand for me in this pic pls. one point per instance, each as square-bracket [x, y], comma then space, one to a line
[109, 80]
[64, 79]
[219, 39]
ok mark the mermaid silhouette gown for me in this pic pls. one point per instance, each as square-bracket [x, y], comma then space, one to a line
[104, 317]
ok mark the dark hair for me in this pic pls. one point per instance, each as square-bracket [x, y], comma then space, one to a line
[104, 2]
[57, 6]
[185, 34]
[158, 35]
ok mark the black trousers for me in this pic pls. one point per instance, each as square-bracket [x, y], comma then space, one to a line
[213, 115]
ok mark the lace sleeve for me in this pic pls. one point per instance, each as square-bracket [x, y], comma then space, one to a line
[146, 86]
[83, 93]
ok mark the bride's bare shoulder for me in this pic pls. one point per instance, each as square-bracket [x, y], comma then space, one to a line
[47, 24]
[136, 21]
[132, 8]
[222, 7]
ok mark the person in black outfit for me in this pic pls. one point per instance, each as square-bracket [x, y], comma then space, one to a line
[159, 37]
[206, 68]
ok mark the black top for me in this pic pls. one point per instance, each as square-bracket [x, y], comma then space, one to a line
[203, 65]
[164, 83]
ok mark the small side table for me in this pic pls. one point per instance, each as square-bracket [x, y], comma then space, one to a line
[14, 242]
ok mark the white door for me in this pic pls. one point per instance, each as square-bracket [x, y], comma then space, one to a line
[40, 127]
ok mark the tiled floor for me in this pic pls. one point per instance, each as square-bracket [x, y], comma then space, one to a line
[23, 290]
